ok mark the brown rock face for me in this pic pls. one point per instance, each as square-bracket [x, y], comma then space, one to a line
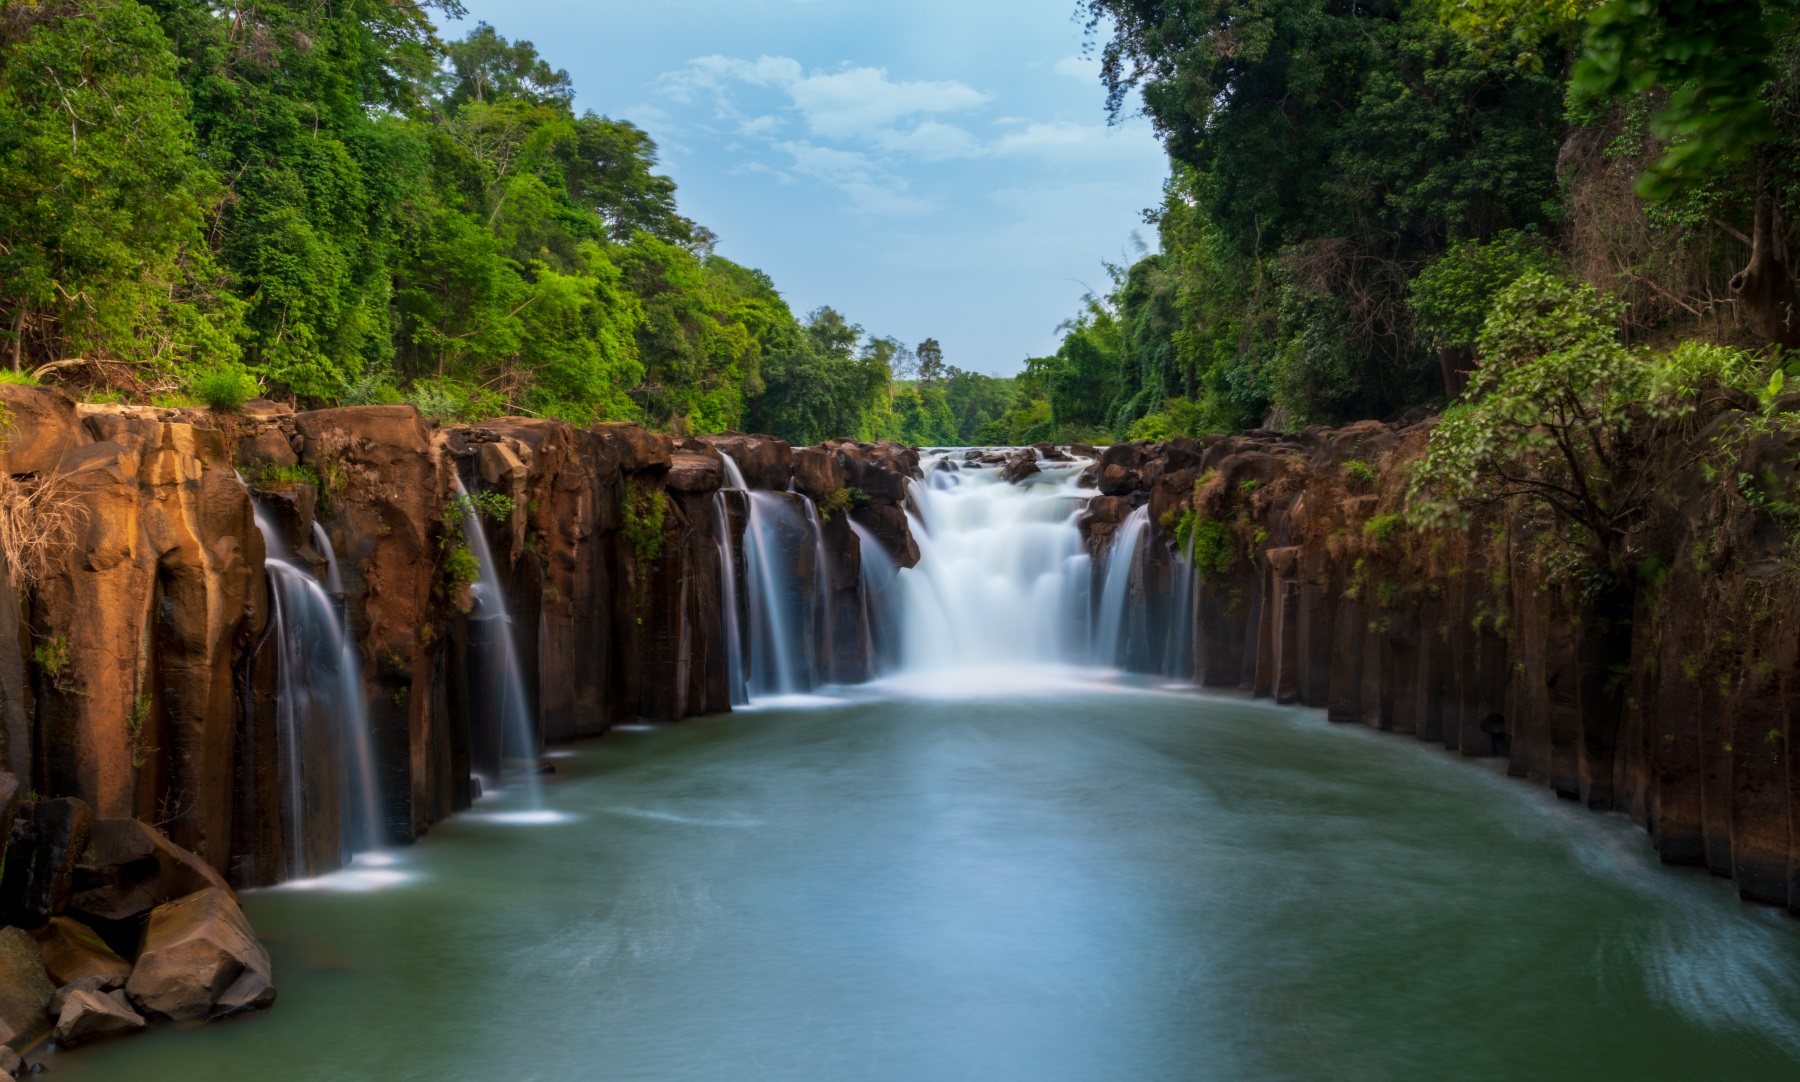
[142, 679]
[1316, 592]
[195, 949]
[129, 869]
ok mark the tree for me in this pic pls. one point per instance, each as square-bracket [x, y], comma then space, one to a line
[106, 200]
[931, 361]
[486, 67]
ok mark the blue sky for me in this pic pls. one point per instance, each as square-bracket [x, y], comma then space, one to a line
[927, 167]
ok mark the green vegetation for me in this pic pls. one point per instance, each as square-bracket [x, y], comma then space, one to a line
[224, 387]
[646, 508]
[1208, 539]
[1361, 471]
[136, 727]
[1381, 529]
[272, 476]
[55, 660]
[461, 571]
[492, 505]
[840, 501]
[330, 204]
[1355, 186]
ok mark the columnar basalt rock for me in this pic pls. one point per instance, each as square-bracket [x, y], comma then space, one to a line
[139, 669]
[1314, 590]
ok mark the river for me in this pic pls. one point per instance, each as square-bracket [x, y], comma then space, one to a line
[1067, 879]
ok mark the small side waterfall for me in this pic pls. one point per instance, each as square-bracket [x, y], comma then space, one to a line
[730, 596]
[491, 645]
[327, 761]
[783, 576]
[1178, 652]
[880, 603]
[1116, 608]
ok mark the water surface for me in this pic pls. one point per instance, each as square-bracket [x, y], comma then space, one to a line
[1084, 883]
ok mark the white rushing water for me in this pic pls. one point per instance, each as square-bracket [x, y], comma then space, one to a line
[327, 760]
[787, 617]
[498, 654]
[1003, 581]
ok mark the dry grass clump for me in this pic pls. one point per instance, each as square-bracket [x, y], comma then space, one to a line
[38, 519]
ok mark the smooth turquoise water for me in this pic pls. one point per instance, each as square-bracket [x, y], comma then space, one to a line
[1082, 884]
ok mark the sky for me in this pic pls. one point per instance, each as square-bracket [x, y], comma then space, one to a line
[929, 168]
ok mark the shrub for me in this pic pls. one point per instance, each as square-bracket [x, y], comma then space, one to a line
[1208, 540]
[645, 511]
[492, 505]
[1382, 528]
[224, 387]
[461, 571]
[1452, 297]
[840, 501]
[7, 375]
[269, 476]
[1361, 471]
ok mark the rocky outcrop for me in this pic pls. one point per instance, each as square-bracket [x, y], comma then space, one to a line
[142, 679]
[1310, 588]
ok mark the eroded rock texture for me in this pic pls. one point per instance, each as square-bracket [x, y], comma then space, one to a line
[1311, 589]
[140, 667]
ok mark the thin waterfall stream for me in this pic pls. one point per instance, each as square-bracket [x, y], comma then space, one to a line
[322, 723]
[491, 630]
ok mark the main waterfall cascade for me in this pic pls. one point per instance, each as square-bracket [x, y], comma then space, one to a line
[1005, 581]
[327, 762]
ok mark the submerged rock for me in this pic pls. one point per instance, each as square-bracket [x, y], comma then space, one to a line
[195, 950]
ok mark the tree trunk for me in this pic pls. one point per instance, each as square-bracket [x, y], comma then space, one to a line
[19, 336]
[1765, 286]
[1456, 364]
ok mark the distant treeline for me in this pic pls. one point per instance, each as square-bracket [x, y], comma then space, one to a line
[329, 203]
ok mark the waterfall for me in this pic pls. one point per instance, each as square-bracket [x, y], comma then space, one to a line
[1002, 582]
[327, 761]
[880, 605]
[728, 579]
[781, 536]
[1115, 594]
[496, 655]
[1178, 655]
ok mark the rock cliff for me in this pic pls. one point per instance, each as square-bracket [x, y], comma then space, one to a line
[1310, 588]
[139, 669]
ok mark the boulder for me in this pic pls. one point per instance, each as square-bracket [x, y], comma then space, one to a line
[72, 951]
[89, 984]
[47, 840]
[130, 869]
[765, 462]
[88, 1015]
[195, 949]
[1116, 480]
[250, 992]
[694, 474]
[638, 450]
[25, 990]
[43, 429]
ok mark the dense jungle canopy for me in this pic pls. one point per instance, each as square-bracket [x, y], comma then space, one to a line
[335, 204]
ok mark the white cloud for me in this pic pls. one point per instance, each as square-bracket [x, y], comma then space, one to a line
[933, 141]
[872, 188]
[1077, 67]
[863, 101]
[850, 102]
